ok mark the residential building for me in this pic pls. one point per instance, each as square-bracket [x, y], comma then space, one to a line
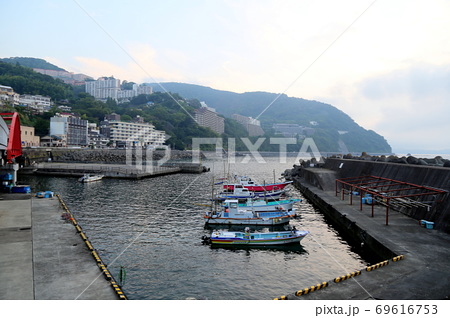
[28, 137]
[96, 139]
[7, 95]
[66, 77]
[71, 129]
[37, 103]
[132, 134]
[252, 125]
[104, 88]
[207, 117]
[109, 87]
[293, 130]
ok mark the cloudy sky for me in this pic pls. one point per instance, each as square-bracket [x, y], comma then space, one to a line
[384, 63]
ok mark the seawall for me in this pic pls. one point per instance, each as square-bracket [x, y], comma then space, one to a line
[424, 253]
[430, 176]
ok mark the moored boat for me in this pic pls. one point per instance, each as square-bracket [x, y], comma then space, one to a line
[90, 178]
[239, 192]
[261, 205]
[248, 183]
[232, 213]
[247, 238]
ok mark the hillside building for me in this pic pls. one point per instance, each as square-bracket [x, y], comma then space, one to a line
[109, 87]
[293, 130]
[207, 117]
[252, 125]
[7, 95]
[66, 77]
[36, 103]
[136, 134]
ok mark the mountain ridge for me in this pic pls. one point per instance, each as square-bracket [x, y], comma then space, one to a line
[333, 130]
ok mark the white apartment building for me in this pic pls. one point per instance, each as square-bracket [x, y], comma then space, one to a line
[104, 88]
[109, 87]
[36, 102]
[134, 134]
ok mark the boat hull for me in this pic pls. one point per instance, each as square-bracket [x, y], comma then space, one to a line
[283, 205]
[261, 195]
[247, 221]
[260, 188]
[281, 239]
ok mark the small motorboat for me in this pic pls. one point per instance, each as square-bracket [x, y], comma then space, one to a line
[90, 178]
[248, 183]
[261, 205]
[241, 193]
[231, 213]
[247, 238]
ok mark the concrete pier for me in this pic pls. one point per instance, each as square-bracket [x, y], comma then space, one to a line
[42, 256]
[420, 273]
[109, 171]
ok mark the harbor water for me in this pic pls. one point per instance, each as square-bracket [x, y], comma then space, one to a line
[153, 228]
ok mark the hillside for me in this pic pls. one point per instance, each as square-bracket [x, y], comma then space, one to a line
[334, 130]
[32, 62]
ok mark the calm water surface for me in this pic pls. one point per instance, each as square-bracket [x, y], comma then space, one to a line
[153, 227]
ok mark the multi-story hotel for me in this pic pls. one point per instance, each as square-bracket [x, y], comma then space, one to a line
[207, 117]
[133, 134]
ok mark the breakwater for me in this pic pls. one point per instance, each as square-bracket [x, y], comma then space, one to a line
[424, 252]
[431, 176]
[112, 163]
[108, 156]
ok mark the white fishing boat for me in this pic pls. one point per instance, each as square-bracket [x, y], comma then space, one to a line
[239, 192]
[247, 238]
[90, 178]
[231, 213]
[261, 205]
[250, 184]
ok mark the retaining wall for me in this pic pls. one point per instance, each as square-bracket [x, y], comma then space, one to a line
[435, 177]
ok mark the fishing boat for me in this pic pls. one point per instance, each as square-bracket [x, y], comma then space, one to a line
[239, 192]
[90, 178]
[260, 205]
[248, 183]
[231, 213]
[247, 238]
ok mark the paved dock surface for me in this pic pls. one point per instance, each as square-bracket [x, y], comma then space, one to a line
[424, 273]
[42, 256]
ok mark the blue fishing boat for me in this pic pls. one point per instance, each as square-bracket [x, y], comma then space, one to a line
[247, 238]
[232, 214]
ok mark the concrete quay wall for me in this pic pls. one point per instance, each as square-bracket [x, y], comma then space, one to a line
[430, 176]
[110, 156]
[424, 254]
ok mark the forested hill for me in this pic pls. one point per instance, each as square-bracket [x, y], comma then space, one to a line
[32, 63]
[333, 128]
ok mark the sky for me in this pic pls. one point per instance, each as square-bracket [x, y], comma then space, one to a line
[384, 63]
